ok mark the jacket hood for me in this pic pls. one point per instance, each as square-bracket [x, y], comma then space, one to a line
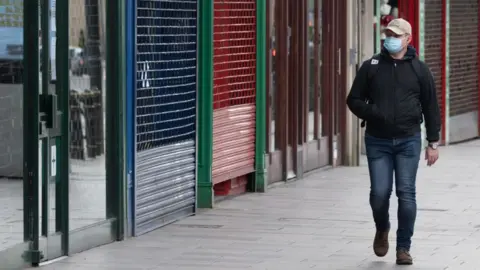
[410, 54]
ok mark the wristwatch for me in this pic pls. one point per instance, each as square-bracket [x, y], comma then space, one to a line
[433, 145]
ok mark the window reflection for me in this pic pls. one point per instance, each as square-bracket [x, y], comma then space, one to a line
[272, 73]
[314, 66]
[87, 113]
[11, 123]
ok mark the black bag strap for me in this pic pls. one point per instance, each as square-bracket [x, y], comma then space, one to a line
[420, 71]
[372, 70]
[416, 65]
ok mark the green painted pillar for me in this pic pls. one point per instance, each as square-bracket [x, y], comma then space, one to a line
[261, 98]
[446, 98]
[115, 111]
[205, 105]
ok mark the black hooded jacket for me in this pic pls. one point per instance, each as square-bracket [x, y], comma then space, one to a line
[396, 98]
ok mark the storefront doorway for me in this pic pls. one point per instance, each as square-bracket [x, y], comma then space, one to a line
[306, 110]
[58, 196]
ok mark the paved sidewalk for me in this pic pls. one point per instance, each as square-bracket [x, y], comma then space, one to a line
[321, 222]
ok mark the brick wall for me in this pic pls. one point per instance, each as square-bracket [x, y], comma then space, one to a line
[463, 56]
[433, 42]
[77, 20]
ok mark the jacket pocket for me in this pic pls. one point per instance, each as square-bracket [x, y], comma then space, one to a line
[419, 113]
[410, 114]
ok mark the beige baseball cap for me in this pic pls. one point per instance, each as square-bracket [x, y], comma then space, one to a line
[400, 27]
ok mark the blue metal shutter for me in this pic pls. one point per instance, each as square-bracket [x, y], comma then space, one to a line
[165, 112]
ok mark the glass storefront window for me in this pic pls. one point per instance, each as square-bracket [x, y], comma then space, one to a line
[314, 65]
[11, 125]
[271, 73]
[87, 113]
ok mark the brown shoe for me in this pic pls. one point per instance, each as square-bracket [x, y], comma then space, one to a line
[380, 244]
[404, 257]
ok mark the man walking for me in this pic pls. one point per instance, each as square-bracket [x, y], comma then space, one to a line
[392, 93]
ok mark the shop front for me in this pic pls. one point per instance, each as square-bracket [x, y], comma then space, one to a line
[61, 169]
[231, 99]
[234, 95]
[161, 112]
[306, 88]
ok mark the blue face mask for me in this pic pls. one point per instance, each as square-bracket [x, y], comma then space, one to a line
[393, 44]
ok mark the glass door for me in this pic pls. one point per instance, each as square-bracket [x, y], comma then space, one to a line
[53, 125]
[293, 82]
[35, 48]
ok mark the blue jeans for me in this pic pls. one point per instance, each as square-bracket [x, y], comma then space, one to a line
[386, 157]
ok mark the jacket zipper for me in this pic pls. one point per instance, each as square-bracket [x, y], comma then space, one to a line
[394, 96]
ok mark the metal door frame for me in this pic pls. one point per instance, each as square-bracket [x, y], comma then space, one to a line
[22, 254]
[56, 244]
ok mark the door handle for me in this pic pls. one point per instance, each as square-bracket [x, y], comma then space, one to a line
[48, 106]
[49, 115]
[339, 61]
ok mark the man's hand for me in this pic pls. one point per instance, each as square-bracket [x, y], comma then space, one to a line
[431, 156]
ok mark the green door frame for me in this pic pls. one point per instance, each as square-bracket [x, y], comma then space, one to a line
[116, 117]
[46, 126]
[30, 130]
[28, 253]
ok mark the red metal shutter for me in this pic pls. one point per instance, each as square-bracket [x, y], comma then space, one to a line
[234, 89]
[434, 45]
[463, 56]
